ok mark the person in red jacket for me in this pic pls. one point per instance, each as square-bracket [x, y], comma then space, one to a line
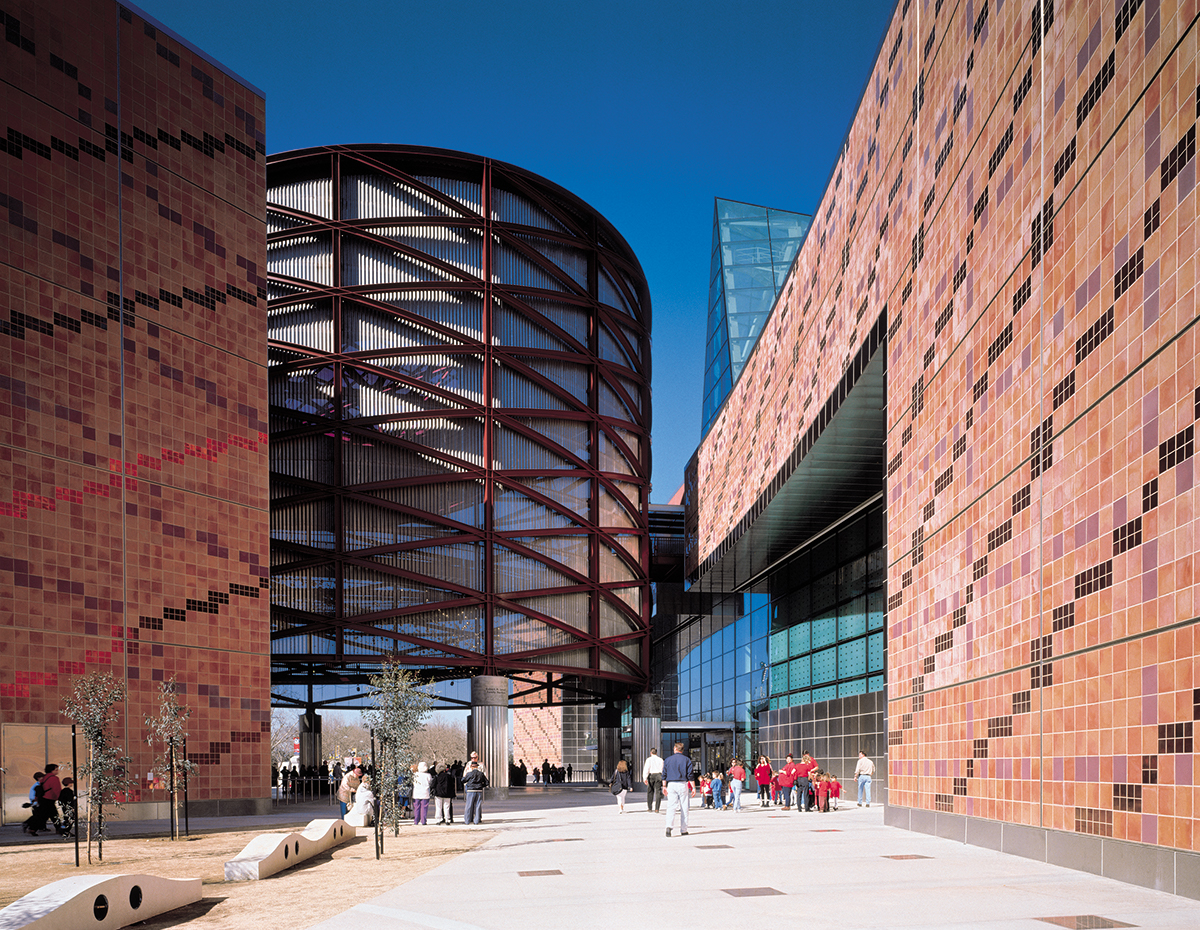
[835, 791]
[822, 785]
[804, 772]
[787, 778]
[762, 775]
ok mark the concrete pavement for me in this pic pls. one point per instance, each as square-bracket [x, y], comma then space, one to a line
[567, 859]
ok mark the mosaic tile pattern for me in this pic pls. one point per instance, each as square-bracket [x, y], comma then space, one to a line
[1016, 198]
[133, 504]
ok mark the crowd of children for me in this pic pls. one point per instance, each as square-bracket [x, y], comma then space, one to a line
[824, 789]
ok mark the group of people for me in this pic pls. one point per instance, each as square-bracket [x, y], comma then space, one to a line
[812, 788]
[423, 783]
[52, 800]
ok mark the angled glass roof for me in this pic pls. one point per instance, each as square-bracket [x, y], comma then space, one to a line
[752, 249]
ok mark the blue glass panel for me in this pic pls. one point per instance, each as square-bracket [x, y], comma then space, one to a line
[760, 624]
[799, 673]
[741, 691]
[728, 670]
[875, 683]
[847, 688]
[824, 630]
[754, 300]
[852, 619]
[800, 639]
[706, 651]
[742, 659]
[706, 699]
[685, 700]
[787, 225]
[741, 633]
[736, 210]
[759, 654]
[876, 610]
[824, 665]
[875, 652]
[803, 697]
[779, 678]
[779, 646]
[852, 658]
[827, 693]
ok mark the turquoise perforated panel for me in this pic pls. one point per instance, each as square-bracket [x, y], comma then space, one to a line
[799, 639]
[824, 630]
[824, 665]
[875, 652]
[852, 658]
[779, 646]
[857, 686]
[800, 673]
[876, 610]
[852, 619]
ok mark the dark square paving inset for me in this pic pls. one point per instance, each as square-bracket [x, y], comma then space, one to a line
[825, 831]
[750, 892]
[1084, 922]
[717, 846]
[540, 872]
[908, 856]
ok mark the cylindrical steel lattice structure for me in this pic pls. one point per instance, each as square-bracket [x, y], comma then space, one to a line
[460, 416]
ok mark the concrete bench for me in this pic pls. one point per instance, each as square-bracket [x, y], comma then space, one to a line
[99, 901]
[273, 852]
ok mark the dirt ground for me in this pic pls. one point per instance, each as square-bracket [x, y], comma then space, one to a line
[315, 890]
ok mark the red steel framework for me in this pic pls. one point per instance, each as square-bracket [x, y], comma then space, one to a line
[460, 416]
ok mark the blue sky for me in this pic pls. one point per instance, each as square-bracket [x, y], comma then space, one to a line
[645, 110]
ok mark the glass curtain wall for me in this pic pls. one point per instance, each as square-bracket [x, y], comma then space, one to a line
[752, 249]
[812, 631]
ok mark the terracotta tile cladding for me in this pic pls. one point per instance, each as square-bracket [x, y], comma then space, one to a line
[133, 496]
[1019, 199]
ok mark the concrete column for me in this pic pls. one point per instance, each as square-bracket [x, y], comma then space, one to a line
[310, 738]
[489, 730]
[608, 740]
[647, 729]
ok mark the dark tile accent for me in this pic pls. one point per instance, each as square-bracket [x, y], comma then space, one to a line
[535, 872]
[750, 892]
[716, 846]
[908, 856]
[1084, 922]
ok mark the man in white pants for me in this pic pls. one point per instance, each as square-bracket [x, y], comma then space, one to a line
[677, 780]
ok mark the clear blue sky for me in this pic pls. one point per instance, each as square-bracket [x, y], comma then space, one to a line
[645, 110]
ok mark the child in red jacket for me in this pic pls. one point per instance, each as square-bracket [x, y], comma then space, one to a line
[835, 791]
[822, 785]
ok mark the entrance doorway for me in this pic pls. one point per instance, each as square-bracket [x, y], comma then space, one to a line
[24, 750]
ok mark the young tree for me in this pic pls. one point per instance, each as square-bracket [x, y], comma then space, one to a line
[168, 730]
[94, 706]
[400, 708]
[343, 734]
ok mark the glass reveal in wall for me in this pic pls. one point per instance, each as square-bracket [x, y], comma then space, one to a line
[753, 248]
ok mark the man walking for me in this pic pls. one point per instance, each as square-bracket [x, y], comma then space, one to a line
[677, 779]
[863, 772]
[652, 775]
[473, 784]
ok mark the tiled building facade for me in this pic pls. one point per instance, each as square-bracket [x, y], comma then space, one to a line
[133, 466]
[1015, 206]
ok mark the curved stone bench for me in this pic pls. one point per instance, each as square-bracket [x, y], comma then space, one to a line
[107, 901]
[273, 852]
